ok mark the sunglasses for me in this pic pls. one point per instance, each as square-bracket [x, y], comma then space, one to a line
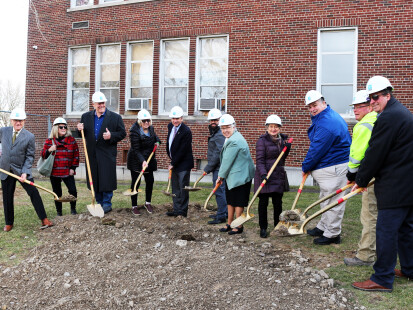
[62, 127]
[360, 106]
[376, 96]
[146, 121]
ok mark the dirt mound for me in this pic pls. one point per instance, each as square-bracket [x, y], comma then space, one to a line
[157, 262]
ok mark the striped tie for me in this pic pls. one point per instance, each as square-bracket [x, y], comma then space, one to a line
[14, 136]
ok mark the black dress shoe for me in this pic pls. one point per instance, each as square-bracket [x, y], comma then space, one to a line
[213, 216]
[326, 241]
[225, 229]
[238, 230]
[263, 233]
[171, 213]
[316, 232]
[217, 221]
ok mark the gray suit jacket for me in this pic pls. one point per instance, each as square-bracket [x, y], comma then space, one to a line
[18, 157]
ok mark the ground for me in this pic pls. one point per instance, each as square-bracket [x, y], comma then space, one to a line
[156, 262]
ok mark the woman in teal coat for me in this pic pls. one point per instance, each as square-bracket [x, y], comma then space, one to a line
[237, 168]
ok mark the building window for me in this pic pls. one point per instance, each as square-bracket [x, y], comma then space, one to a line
[212, 73]
[337, 67]
[174, 75]
[77, 3]
[107, 1]
[139, 76]
[108, 74]
[78, 79]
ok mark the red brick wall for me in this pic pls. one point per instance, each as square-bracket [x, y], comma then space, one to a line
[272, 55]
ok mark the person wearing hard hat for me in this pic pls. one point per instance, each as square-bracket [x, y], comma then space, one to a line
[237, 169]
[366, 118]
[327, 159]
[389, 159]
[103, 129]
[215, 143]
[268, 148]
[179, 150]
[66, 151]
[142, 142]
[18, 155]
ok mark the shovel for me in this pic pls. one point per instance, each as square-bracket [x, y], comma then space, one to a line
[129, 192]
[194, 188]
[167, 193]
[94, 209]
[244, 218]
[293, 210]
[61, 199]
[212, 193]
[295, 229]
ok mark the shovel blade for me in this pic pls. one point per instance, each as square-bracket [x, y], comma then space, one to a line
[129, 192]
[96, 210]
[241, 220]
[192, 189]
[168, 194]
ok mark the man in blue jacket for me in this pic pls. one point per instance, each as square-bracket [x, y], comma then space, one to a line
[327, 159]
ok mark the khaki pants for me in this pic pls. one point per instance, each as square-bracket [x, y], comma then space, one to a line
[368, 217]
[330, 179]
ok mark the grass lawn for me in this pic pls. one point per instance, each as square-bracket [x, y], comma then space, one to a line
[24, 236]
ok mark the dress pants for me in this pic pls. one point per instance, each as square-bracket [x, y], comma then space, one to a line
[149, 179]
[263, 205]
[57, 188]
[330, 179]
[394, 235]
[9, 186]
[179, 180]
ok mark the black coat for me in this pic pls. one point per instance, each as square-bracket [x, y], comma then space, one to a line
[181, 148]
[141, 146]
[215, 143]
[102, 153]
[389, 157]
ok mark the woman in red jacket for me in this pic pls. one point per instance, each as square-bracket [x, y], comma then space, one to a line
[65, 162]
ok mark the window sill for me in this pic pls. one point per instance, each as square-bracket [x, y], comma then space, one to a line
[103, 5]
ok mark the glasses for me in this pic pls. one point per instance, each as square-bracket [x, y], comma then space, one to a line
[62, 127]
[360, 106]
[376, 96]
[146, 121]
[214, 120]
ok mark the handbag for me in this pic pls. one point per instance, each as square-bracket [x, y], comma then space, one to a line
[45, 166]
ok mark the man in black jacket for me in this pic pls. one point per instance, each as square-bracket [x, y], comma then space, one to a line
[103, 130]
[389, 159]
[215, 143]
[179, 150]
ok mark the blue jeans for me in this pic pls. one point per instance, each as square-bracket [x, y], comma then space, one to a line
[105, 200]
[222, 211]
[394, 235]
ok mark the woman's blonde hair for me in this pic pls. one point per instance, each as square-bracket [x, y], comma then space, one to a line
[140, 122]
[54, 133]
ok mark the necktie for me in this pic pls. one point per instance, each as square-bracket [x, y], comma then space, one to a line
[14, 136]
[174, 133]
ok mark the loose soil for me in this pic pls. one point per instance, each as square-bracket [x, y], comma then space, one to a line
[157, 262]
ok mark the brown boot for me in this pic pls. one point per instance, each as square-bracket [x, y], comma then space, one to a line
[46, 223]
[8, 227]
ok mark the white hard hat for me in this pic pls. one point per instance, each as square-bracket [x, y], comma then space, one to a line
[144, 114]
[99, 97]
[312, 96]
[18, 114]
[214, 114]
[226, 119]
[361, 97]
[273, 119]
[176, 112]
[59, 120]
[378, 83]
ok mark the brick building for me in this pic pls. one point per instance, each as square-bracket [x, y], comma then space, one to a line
[249, 58]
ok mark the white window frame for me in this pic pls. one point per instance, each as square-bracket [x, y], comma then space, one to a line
[129, 72]
[111, 1]
[70, 80]
[197, 71]
[98, 71]
[73, 4]
[319, 61]
[161, 76]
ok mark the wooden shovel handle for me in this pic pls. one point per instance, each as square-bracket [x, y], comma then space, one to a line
[88, 167]
[213, 191]
[300, 189]
[143, 169]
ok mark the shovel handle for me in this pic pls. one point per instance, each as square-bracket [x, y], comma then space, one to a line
[199, 179]
[143, 169]
[300, 189]
[268, 175]
[212, 193]
[340, 190]
[332, 205]
[88, 167]
[30, 183]
[169, 180]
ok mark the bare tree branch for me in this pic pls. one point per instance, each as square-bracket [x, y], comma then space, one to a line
[11, 96]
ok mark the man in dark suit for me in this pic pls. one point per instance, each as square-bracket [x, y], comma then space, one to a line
[179, 149]
[103, 129]
[18, 154]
